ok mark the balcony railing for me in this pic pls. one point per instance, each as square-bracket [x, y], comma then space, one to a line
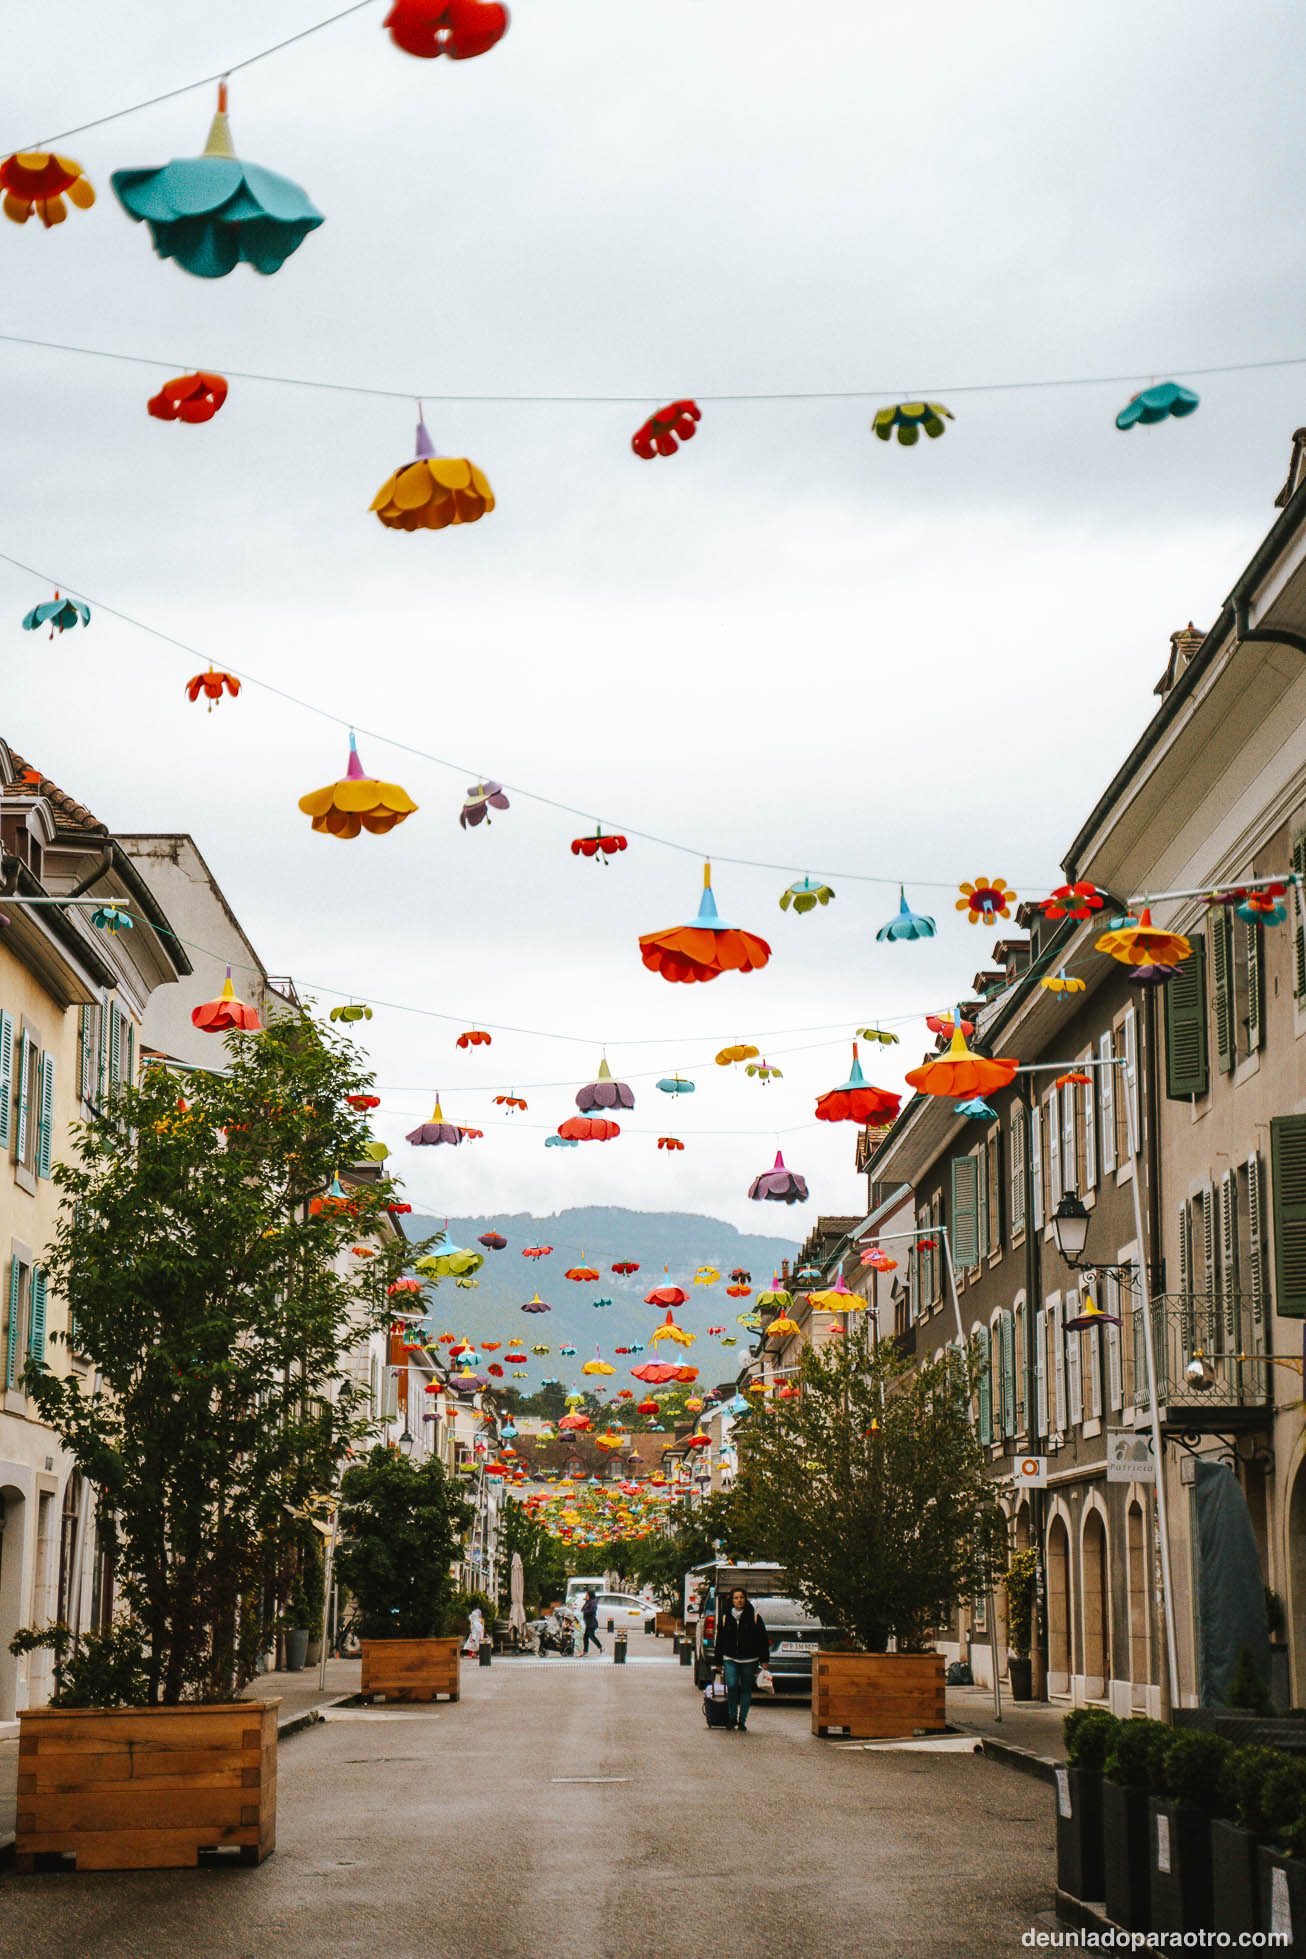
[1210, 1352]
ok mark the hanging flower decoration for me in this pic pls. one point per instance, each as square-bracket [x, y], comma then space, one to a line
[575, 1424]
[604, 1093]
[212, 684]
[357, 802]
[398, 1210]
[667, 1296]
[432, 492]
[356, 1010]
[475, 1037]
[879, 1260]
[680, 1335]
[363, 1102]
[1074, 1078]
[598, 1304]
[737, 1292]
[985, 900]
[908, 418]
[537, 1251]
[1264, 906]
[211, 212]
[977, 1109]
[588, 1129]
[190, 398]
[404, 1286]
[480, 799]
[1140, 943]
[658, 1373]
[670, 1143]
[568, 1351]
[739, 1051]
[603, 844]
[460, 29]
[625, 1266]
[428, 1135]
[763, 1071]
[705, 947]
[536, 1305]
[112, 919]
[512, 1103]
[1089, 1315]
[836, 1299]
[449, 1261]
[1151, 975]
[226, 1014]
[335, 1199]
[540, 1350]
[1156, 404]
[856, 1101]
[561, 1143]
[782, 1326]
[58, 613]
[362, 1251]
[805, 896]
[779, 1184]
[36, 182]
[946, 1025]
[1061, 982]
[663, 432]
[908, 924]
[676, 1085]
[877, 1034]
[706, 1275]
[598, 1365]
[581, 1274]
[961, 1073]
[493, 1241]
[1072, 901]
[514, 1356]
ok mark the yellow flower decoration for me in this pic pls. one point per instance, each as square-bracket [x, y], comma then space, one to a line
[986, 899]
[432, 492]
[783, 1326]
[357, 802]
[35, 183]
[1061, 982]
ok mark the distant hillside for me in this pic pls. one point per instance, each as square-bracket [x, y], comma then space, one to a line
[600, 1236]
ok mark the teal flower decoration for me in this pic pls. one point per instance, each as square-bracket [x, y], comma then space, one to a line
[214, 211]
[1155, 404]
[908, 924]
[58, 614]
[977, 1107]
[112, 919]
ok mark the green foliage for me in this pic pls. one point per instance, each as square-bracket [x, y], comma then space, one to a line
[689, 1537]
[458, 1613]
[1133, 1756]
[1021, 1583]
[99, 1669]
[1088, 1733]
[871, 1489]
[1285, 1804]
[1244, 1779]
[1190, 1769]
[401, 1527]
[544, 1564]
[1247, 1688]
[212, 1296]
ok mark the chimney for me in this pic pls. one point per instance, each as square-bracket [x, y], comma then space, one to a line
[1183, 645]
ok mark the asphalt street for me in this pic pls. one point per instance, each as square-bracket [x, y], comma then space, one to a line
[582, 1808]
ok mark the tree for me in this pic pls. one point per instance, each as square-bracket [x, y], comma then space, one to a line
[690, 1537]
[544, 1564]
[401, 1526]
[870, 1488]
[206, 1269]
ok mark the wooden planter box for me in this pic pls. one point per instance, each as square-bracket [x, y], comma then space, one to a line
[410, 1669]
[146, 1788]
[877, 1696]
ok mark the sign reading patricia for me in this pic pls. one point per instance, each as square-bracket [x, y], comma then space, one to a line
[1129, 1457]
[1031, 1470]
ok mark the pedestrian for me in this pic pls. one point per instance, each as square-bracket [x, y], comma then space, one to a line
[742, 1647]
[589, 1613]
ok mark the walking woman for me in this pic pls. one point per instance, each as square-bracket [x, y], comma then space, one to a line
[589, 1613]
[742, 1646]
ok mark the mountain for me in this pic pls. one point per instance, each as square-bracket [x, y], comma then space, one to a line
[599, 1236]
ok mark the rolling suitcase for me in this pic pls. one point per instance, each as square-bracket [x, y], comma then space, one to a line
[714, 1704]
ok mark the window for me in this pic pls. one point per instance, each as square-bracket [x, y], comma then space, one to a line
[1019, 1318]
[1072, 1347]
[1016, 1159]
[1187, 1064]
[28, 1083]
[1251, 1245]
[936, 1254]
[1124, 1046]
[1070, 1150]
[1288, 1204]
[1110, 1302]
[24, 1336]
[1087, 1094]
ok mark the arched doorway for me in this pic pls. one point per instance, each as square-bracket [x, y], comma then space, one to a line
[1140, 1654]
[1097, 1608]
[1058, 1579]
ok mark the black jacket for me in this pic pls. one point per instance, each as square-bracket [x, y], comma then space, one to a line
[744, 1638]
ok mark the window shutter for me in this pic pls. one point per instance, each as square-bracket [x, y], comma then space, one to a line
[115, 1047]
[1187, 1065]
[1288, 1179]
[1111, 1302]
[1230, 1275]
[1016, 1158]
[130, 1075]
[1299, 916]
[11, 1342]
[6, 1076]
[1256, 1243]
[985, 1384]
[24, 1077]
[993, 1154]
[913, 1282]
[1007, 1338]
[935, 1222]
[1210, 1275]
[1108, 1079]
[45, 1124]
[1040, 1374]
[982, 1188]
[102, 1056]
[1090, 1127]
[1222, 988]
[36, 1326]
[1255, 984]
[1056, 1315]
[1185, 1249]
[1036, 1155]
[1050, 1114]
[1131, 1074]
[965, 1211]
[1069, 1153]
[1094, 1373]
[1074, 1349]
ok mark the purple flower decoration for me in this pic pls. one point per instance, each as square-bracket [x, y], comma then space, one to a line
[779, 1185]
[604, 1093]
[437, 1130]
[1151, 975]
[536, 1305]
[481, 798]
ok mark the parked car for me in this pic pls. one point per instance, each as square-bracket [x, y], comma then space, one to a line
[624, 1612]
[719, 1580]
[795, 1634]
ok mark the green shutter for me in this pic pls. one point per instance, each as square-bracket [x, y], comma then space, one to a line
[1255, 984]
[36, 1319]
[984, 1384]
[102, 1054]
[1288, 1180]
[115, 1047]
[965, 1212]
[1299, 916]
[6, 1077]
[982, 1190]
[1016, 1157]
[24, 1075]
[11, 1343]
[1007, 1346]
[1187, 1066]
[45, 1120]
[1222, 988]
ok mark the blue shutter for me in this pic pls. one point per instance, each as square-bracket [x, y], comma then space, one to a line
[36, 1320]
[24, 1072]
[1007, 1343]
[11, 1343]
[985, 1385]
[6, 1076]
[45, 1123]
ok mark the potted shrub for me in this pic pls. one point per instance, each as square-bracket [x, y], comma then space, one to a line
[870, 1488]
[1126, 1785]
[214, 1301]
[1021, 1583]
[1235, 1836]
[401, 1527]
[1088, 1733]
[1283, 1860]
[1187, 1789]
[295, 1629]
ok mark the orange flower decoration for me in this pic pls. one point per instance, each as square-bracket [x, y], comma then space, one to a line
[37, 181]
[226, 1014]
[475, 1037]
[1140, 943]
[432, 492]
[588, 1129]
[986, 899]
[856, 1101]
[357, 802]
[510, 1102]
[213, 685]
[961, 1073]
[670, 1143]
[705, 947]
[1075, 1079]
[190, 398]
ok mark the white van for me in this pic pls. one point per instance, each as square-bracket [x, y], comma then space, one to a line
[577, 1588]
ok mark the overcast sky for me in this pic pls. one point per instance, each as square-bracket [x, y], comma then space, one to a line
[788, 643]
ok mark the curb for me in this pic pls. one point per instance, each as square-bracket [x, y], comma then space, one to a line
[309, 1717]
[1014, 1757]
[1087, 1917]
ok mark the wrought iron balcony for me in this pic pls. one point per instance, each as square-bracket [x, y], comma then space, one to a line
[1212, 1370]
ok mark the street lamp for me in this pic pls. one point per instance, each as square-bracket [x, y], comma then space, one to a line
[1070, 1223]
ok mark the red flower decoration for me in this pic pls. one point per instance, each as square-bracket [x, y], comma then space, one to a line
[397, 1210]
[1072, 901]
[600, 845]
[190, 398]
[212, 684]
[738, 1292]
[662, 433]
[856, 1101]
[665, 1296]
[460, 29]
[670, 1143]
[475, 1037]
[509, 1102]
[703, 947]
[536, 1251]
[494, 1368]
[625, 1266]
[226, 1014]
[470, 1135]
[944, 1024]
[588, 1129]
[363, 1101]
